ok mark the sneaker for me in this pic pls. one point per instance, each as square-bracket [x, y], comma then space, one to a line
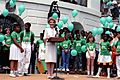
[19, 74]
[63, 69]
[67, 69]
[49, 77]
[12, 75]
[96, 76]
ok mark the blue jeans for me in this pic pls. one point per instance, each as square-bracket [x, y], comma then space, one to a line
[65, 59]
[78, 61]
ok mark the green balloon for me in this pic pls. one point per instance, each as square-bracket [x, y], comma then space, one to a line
[55, 16]
[65, 19]
[47, 26]
[5, 12]
[109, 3]
[60, 24]
[111, 25]
[106, 25]
[103, 20]
[109, 19]
[1, 38]
[73, 52]
[21, 9]
[14, 1]
[74, 13]
[118, 29]
[107, 32]
[94, 31]
[83, 48]
[12, 4]
[70, 27]
[100, 30]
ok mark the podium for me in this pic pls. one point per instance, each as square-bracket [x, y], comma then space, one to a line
[55, 40]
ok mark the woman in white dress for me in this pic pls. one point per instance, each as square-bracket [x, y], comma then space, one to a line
[50, 55]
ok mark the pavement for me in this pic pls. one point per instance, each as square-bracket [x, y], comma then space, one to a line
[44, 77]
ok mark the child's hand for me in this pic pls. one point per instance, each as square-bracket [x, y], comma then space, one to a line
[91, 57]
[22, 50]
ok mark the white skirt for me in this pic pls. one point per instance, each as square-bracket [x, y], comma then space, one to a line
[14, 52]
[41, 54]
[50, 54]
[92, 53]
[104, 59]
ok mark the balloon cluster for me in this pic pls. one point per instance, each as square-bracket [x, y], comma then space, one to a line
[106, 23]
[12, 4]
[64, 20]
[83, 49]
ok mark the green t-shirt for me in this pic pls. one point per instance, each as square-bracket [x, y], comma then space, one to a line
[58, 48]
[15, 35]
[3, 38]
[66, 44]
[39, 42]
[83, 41]
[63, 34]
[77, 45]
[104, 48]
[118, 46]
[91, 46]
[8, 41]
[26, 36]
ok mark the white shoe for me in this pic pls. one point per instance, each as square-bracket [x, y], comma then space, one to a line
[63, 69]
[58, 69]
[96, 76]
[67, 69]
[12, 75]
[49, 77]
[19, 74]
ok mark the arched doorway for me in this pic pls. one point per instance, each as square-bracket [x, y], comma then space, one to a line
[77, 26]
[7, 22]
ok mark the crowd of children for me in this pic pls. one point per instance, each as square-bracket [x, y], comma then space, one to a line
[86, 59]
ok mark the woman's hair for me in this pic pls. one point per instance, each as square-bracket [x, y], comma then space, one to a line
[90, 36]
[51, 19]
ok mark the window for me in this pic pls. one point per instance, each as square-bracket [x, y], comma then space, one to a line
[79, 2]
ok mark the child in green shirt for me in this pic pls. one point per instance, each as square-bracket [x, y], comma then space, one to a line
[2, 38]
[15, 51]
[6, 49]
[105, 57]
[90, 54]
[65, 53]
[41, 54]
[77, 47]
[118, 56]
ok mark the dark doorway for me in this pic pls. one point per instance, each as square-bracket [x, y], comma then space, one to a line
[8, 21]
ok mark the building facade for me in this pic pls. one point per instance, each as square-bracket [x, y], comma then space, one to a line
[36, 13]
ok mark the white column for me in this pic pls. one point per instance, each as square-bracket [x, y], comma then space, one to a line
[94, 4]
